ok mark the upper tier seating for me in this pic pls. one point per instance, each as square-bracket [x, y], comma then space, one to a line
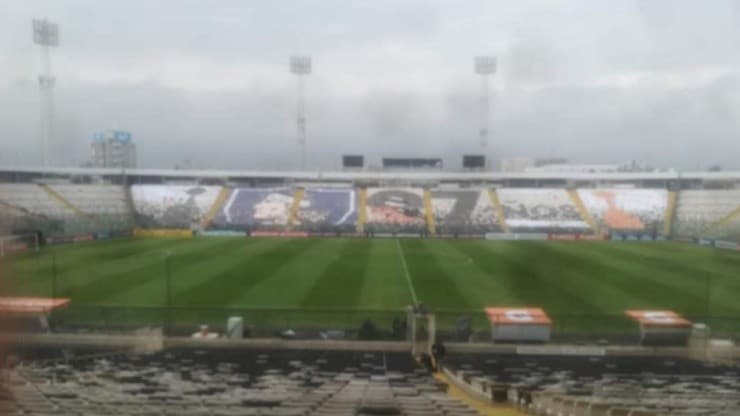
[33, 199]
[172, 206]
[540, 210]
[227, 382]
[463, 211]
[641, 210]
[95, 199]
[256, 207]
[699, 209]
[327, 208]
[395, 209]
[596, 385]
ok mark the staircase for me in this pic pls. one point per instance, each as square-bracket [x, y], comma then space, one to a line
[297, 198]
[362, 213]
[59, 198]
[223, 195]
[670, 212]
[500, 216]
[130, 203]
[429, 212]
[582, 211]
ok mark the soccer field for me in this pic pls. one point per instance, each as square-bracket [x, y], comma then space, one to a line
[561, 277]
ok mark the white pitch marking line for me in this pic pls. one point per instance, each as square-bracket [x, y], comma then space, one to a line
[406, 272]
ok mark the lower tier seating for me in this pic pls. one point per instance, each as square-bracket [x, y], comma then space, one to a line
[602, 385]
[200, 382]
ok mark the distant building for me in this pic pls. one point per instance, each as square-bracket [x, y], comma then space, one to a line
[575, 168]
[516, 164]
[549, 161]
[113, 149]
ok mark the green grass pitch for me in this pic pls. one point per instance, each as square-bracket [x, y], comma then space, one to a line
[589, 278]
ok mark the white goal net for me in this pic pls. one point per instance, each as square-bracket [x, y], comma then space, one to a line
[10, 244]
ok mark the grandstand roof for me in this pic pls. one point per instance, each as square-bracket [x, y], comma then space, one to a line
[369, 175]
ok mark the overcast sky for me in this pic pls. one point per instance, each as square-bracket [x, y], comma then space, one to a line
[594, 81]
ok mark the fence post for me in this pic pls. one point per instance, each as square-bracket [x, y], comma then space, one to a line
[168, 294]
[54, 275]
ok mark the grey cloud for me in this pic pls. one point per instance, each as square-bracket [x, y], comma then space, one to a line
[597, 81]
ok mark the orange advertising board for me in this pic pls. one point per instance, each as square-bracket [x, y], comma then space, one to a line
[659, 318]
[517, 316]
[30, 305]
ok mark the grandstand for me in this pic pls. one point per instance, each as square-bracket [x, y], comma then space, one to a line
[601, 385]
[283, 288]
[203, 382]
[441, 203]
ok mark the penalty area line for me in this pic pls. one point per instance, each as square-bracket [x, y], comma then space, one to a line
[406, 273]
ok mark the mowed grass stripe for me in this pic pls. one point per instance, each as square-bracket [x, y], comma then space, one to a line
[341, 283]
[531, 275]
[223, 288]
[138, 270]
[187, 265]
[383, 287]
[299, 275]
[704, 266]
[615, 295]
[637, 286]
[434, 285]
[88, 268]
[478, 271]
[75, 258]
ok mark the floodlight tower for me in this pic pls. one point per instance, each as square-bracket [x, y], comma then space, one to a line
[300, 66]
[485, 66]
[46, 35]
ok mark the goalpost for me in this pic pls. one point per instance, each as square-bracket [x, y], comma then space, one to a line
[18, 243]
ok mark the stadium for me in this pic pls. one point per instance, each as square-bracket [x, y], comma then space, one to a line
[384, 262]
[549, 228]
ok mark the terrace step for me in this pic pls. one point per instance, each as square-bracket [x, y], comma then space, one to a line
[499, 210]
[362, 214]
[223, 195]
[429, 212]
[59, 198]
[583, 211]
[735, 214]
[297, 198]
[670, 210]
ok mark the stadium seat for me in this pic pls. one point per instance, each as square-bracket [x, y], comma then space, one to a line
[465, 211]
[195, 382]
[328, 209]
[172, 206]
[395, 210]
[698, 210]
[540, 210]
[632, 210]
[586, 386]
[256, 208]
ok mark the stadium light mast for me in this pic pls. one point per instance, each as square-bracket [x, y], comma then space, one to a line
[485, 66]
[46, 35]
[300, 66]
